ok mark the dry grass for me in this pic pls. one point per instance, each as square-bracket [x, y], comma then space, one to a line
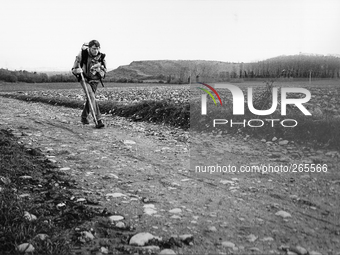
[42, 192]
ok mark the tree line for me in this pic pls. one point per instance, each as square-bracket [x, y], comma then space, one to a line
[296, 66]
[33, 77]
[302, 66]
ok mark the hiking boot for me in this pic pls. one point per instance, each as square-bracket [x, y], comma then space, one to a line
[100, 124]
[85, 121]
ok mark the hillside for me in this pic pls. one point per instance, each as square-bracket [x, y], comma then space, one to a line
[179, 71]
[174, 71]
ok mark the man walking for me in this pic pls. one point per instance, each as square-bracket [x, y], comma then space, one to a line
[90, 63]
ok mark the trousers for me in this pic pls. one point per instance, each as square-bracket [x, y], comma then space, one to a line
[91, 88]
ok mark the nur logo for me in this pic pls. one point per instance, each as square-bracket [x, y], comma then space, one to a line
[238, 99]
[204, 97]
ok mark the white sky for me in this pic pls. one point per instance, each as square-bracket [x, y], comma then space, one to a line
[47, 34]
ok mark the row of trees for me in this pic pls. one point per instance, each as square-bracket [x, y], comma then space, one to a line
[33, 77]
[297, 66]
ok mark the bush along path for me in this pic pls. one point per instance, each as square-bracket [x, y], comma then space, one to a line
[130, 189]
[157, 111]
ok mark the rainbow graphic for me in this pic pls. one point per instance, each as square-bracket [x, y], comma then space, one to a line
[213, 90]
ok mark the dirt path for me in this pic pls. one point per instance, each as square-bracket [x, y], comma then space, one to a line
[142, 171]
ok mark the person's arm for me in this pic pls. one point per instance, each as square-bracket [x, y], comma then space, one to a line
[103, 69]
[76, 66]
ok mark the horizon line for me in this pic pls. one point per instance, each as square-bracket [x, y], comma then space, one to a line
[59, 69]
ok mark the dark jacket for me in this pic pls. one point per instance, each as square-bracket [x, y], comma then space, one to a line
[94, 67]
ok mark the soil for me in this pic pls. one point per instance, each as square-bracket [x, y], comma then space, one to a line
[143, 171]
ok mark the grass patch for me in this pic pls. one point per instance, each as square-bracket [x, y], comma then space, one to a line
[155, 111]
[30, 184]
[162, 111]
[22, 86]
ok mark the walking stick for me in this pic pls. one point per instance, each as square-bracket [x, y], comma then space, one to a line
[83, 84]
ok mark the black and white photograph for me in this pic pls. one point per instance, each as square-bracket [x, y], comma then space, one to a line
[208, 127]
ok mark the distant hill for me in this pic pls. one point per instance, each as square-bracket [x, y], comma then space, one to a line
[174, 71]
[182, 71]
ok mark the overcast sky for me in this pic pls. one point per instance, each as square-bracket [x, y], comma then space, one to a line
[48, 34]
